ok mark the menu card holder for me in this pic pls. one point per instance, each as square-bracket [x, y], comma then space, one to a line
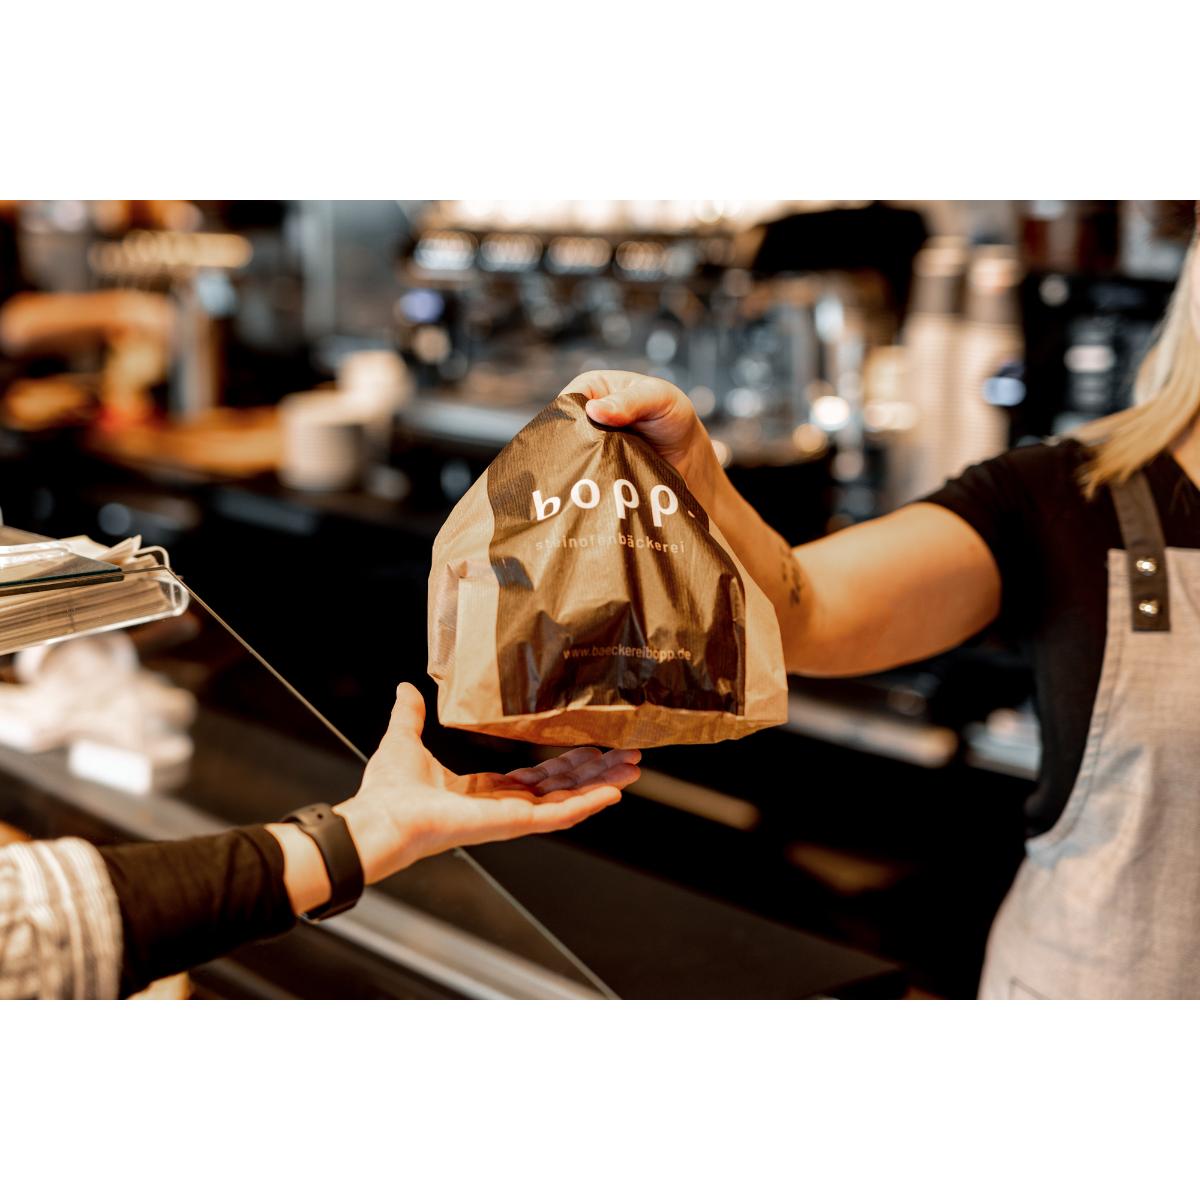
[55, 589]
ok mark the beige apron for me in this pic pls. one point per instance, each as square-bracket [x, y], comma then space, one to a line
[1106, 904]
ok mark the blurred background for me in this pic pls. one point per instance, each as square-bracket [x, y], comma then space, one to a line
[289, 397]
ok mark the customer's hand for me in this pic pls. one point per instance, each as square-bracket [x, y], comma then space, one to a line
[661, 413]
[409, 806]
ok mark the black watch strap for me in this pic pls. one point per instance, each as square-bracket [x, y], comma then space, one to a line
[332, 835]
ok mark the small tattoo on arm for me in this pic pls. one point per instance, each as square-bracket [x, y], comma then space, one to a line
[792, 578]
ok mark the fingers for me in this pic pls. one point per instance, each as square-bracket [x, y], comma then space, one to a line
[621, 398]
[617, 767]
[620, 775]
[597, 384]
[563, 762]
[641, 401]
[662, 414]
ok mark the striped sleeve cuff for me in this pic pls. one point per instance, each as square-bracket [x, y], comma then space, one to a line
[60, 924]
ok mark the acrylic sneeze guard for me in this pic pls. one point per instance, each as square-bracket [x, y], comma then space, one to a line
[260, 750]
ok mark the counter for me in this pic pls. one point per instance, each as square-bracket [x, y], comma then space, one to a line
[437, 930]
[533, 919]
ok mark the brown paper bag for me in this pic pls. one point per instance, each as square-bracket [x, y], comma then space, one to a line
[580, 594]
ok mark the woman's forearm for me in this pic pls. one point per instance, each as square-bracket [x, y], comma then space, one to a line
[771, 562]
[886, 592]
[882, 593]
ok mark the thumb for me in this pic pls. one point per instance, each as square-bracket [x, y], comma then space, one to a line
[616, 410]
[408, 713]
[640, 400]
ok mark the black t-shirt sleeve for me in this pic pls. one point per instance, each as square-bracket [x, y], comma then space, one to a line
[999, 499]
[187, 902]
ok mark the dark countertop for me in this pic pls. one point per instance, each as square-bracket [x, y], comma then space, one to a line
[654, 940]
[645, 937]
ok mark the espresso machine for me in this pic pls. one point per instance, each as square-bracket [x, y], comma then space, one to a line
[496, 313]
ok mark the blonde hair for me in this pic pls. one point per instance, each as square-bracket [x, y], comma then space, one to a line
[1166, 398]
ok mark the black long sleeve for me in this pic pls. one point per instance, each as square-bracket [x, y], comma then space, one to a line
[187, 902]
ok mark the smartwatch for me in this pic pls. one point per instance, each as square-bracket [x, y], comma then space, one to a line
[342, 864]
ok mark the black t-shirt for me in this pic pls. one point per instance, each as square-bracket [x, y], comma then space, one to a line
[1051, 547]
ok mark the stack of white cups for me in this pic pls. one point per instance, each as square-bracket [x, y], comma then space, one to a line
[330, 437]
[963, 326]
[931, 339]
[991, 337]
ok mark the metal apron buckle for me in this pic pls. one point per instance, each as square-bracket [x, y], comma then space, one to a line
[1145, 555]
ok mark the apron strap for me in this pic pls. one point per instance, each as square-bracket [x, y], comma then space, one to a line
[1145, 554]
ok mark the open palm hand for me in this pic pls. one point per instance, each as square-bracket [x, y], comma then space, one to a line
[419, 807]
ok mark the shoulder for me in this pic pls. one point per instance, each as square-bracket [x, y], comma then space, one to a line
[1177, 498]
[1052, 463]
[1027, 504]
[1026, 478]
[1029, 509]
